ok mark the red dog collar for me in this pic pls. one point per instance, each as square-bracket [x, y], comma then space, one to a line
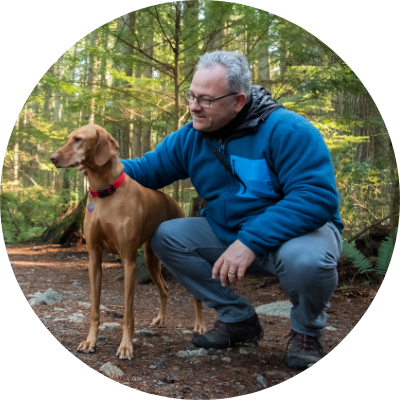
[108, 190]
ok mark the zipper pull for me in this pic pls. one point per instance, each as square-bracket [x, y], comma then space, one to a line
[233, 167]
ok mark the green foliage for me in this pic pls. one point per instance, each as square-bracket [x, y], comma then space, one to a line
[363, 265]
[385, 252]
[128, 76]
[357, 258]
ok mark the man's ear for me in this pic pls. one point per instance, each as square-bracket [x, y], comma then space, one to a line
[240, 101]
[106, 147]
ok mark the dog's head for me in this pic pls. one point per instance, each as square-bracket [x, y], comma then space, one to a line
[90, 145]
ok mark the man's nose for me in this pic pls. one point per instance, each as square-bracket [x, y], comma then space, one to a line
[194, 105]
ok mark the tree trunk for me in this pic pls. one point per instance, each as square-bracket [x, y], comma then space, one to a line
[92, 77]
[57, 94]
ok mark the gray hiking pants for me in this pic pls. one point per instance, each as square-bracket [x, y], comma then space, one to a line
[306, 267]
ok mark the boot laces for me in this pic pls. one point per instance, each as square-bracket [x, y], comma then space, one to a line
[306, 342]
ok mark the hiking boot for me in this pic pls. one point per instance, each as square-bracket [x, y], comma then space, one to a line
[305, 350]
[224, 334]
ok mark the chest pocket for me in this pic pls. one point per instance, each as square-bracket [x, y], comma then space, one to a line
[256, 176]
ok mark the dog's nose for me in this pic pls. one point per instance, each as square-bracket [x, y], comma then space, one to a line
[54, 158]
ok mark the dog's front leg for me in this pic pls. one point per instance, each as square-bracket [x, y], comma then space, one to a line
[125, 350]
[95, 276]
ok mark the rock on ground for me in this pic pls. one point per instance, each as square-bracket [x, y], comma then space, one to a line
[111, 370]
[49, 297]
[280, 309]
[109, 325]
[145, 333]
[261, 380]
[192, 353]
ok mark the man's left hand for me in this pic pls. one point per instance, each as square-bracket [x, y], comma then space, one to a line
[233, 263]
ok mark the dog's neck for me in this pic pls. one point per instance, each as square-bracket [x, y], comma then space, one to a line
[103, 176]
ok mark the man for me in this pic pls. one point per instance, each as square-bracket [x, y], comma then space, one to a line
[273, 209]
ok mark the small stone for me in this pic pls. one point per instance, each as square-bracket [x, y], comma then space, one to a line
[78, 318]
[244, 350]
[109, 325]
[229, 349]
[104, 308]
[145, 333]
[178, 326]
[220, 351]
[49, 297]
[77, 283]
[214, 358]
[148, 344]
[187, 332]
[330, 328]
[261, 381]
[226, 359]
[153, 367]
[60, 309]
[192, 353]
[47, 316]
[167, 339]
[279, 308]
[111, 370]
[278, 374]
[135, 340]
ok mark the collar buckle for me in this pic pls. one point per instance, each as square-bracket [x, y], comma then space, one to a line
[108, 191]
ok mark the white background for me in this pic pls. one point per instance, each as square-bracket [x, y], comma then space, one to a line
[35, 34]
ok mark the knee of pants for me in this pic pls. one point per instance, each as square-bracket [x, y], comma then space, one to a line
[161, 239]
[306, 268]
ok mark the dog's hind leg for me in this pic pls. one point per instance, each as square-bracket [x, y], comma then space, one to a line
[95, 276]
[154, 267]
[199, 325]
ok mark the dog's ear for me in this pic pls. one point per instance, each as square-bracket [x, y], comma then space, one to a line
[106, 147]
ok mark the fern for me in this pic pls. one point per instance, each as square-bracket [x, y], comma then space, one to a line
[385, 252]
[357, 258]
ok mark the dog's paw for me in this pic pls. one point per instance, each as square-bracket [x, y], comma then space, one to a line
[125, 352]
[158, 321]
[87, 347]
[199, 328]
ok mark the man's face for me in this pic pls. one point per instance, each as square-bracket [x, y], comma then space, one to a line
[211, 83]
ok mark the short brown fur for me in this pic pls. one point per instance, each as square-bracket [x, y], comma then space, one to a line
[119, 224]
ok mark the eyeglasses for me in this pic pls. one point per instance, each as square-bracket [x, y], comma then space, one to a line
[201, 101]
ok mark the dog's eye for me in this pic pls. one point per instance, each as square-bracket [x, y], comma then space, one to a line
[78, 139]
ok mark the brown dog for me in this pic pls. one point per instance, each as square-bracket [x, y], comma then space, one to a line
[119, 223]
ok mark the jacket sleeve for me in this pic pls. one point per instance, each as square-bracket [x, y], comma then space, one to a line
[165, 165]
[304, 169]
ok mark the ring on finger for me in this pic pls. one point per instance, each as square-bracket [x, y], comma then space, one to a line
[232, 273]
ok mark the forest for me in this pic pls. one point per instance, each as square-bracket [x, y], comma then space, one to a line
[129, 76]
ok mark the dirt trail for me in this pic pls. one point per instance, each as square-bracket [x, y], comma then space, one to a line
[156, 368]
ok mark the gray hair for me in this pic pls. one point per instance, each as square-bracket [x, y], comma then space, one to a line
[238, 73]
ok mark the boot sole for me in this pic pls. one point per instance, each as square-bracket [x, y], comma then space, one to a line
[232, 343]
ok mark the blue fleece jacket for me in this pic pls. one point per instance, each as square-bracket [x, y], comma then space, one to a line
[284, 164]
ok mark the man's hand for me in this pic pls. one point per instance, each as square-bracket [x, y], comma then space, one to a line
[82, 169]
[233, 263]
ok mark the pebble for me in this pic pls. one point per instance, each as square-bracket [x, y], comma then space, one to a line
[109, 325]
[60, 309]
[145, 333]
[244, 350]
[167, 339]
[148, 344]
[111, 370]
[278, 374]
[49, 297]
[214, 358]
[279, 308]
[192, 353]
[330, 328]
[187, 332]
[261, 380]
[226, 359]
[78, 283]
[153, 367]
